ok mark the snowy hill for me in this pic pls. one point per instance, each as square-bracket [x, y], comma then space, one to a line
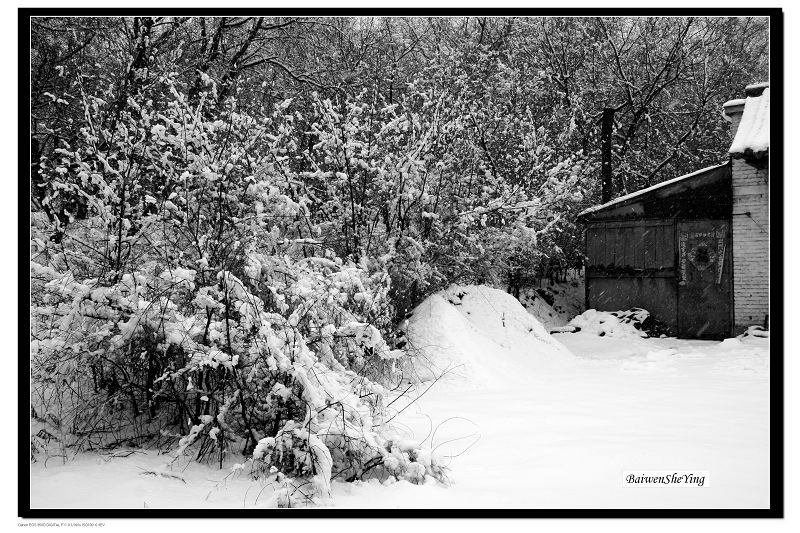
[481, 333]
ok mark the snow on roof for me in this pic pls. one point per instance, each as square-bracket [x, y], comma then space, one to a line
[731, 104]
[641, 192]
[752, 136]
[737, 101]
[756, 88]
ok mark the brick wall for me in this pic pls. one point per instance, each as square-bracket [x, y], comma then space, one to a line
[750, 244]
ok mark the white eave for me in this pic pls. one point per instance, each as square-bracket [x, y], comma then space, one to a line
[758, 87]
[732, 106]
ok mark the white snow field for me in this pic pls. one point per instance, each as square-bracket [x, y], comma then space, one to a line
[522, 418]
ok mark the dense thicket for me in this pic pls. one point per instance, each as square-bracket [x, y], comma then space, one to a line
[232, 216]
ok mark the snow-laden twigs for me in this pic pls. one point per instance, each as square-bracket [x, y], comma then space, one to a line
[195, 333]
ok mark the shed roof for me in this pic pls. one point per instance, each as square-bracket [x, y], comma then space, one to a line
[661, 190]
[752, 136]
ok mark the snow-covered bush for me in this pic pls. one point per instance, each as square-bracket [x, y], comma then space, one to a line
[194, 302]
[216, 276]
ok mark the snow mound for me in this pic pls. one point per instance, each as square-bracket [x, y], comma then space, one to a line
[755, 331]
[612, 324]
[742, 355]
[479, 333]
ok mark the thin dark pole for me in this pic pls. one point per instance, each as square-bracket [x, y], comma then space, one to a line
[606, 171]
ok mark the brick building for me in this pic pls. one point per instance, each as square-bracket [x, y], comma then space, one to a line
[750, 218]
[694, 250]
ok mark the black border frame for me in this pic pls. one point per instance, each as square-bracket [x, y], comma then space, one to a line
[776, 273]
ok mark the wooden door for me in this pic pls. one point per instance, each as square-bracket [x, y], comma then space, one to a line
[704, 282]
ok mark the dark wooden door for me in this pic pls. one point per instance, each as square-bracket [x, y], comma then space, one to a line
[704, 279]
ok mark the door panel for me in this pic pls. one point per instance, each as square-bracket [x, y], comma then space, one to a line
[704, 285]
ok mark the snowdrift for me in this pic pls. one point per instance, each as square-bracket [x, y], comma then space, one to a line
[635, 322]
[479, 333]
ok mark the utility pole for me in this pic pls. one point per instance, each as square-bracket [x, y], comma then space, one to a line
[606, 171]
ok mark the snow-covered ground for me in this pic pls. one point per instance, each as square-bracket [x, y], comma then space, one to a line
[523, 419]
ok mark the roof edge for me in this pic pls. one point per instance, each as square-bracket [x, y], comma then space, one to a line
[631, 197]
